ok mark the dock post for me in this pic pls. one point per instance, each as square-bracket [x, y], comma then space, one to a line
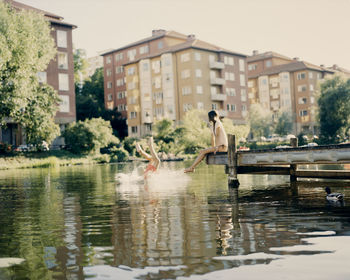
[232, 162]
[293, 167]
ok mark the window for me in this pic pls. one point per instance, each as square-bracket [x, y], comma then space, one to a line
[119, 56]
[251, 67]
[133, 115]
[121, 94]
[158, 82]
[109, 72]
[243, 95]
[251, 84]
[303, 113]
[167, 61]
[301, 76]
[42, 77]
[242, 80]
[228, 60]
[120, 82]
[109, 97]
[132, 100]
[302, 100]
[244, 108]
[109, 84]
[311, 75]
[229, 76]
[145, 67]
[108, 60]
[213, 90]
[231, 107]
[64, 104]
[131, 71]
[197, 56]
[311, 87]
[144, 49]
[200, 105]
[187, 107]
[131, 86]
[198, 73]
[131, 54]
[62, 59]
[61, 39]
[185, 74]
[213, 106]
[158, 96]
[158, 111]
[134, 129]
[63, 82]
[156, 66]
[268, 63]
[160, 45]
[119, 69]
[199, 89]
[186, 90]
[302, 88]
[241, 65]
[185, 57]
[319, 76]
[231, 91]
[312, 100]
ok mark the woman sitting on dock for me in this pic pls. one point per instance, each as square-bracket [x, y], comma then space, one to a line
[218, 140]
[153, 158]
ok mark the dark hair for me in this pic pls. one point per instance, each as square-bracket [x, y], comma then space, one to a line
[213, 114]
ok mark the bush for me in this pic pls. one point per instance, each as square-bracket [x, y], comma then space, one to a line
[119, 154]
[89, 136]
[129, 145]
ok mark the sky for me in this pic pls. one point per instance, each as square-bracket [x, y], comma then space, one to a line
[316, 31]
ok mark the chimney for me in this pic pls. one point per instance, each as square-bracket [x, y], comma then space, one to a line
[296, 58]
[191, 37]
[321, 65]
[255, 52]
[335, 67]
[157, 32]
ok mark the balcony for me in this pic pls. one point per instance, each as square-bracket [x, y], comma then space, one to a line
[216, 65]
[218, 97]
[217, 81]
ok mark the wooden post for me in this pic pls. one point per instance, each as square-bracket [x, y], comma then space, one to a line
[232, 162]
[293, 167]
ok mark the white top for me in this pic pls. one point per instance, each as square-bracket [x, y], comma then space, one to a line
[219, 134]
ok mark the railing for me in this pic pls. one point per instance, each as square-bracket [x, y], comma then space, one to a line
[216, 65]
[217, 81]
[218, 97]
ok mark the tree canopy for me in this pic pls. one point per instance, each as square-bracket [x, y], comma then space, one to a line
[334, 110]
[284, 124]
[26, 48]
[260, 120]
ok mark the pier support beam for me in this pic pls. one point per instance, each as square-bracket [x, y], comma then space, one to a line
[293, 167]
[232, 162]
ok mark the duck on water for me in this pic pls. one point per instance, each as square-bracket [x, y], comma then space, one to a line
[333, 196]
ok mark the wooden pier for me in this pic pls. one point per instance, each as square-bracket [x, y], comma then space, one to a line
[283, 161]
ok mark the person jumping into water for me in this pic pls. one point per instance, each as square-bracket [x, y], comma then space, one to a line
[153, 158]
[219, 140]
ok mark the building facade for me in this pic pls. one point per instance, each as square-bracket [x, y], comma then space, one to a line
[184, 74]
[59, 74]
[287, 86]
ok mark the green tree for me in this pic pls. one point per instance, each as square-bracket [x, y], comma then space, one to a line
[26, 48]
[284, 124]
[80, 65]
[260, 120]
[334, 110]
[89, 136]
[240, 131]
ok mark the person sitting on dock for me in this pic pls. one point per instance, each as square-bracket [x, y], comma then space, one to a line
[219, 140]
[153, 158]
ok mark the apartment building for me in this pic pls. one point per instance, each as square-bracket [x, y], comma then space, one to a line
[191, 75]
[59, 74]
[288, 87]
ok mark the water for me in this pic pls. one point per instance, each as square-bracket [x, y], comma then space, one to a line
[107, 222]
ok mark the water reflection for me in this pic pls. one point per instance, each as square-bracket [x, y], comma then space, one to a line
[89, 221]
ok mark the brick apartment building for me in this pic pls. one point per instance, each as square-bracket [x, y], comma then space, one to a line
[168, 74]
[280, 83]
[59, 74]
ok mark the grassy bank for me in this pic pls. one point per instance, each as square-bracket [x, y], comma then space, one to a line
[48, 159]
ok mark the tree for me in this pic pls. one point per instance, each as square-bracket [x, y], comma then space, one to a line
[89, 135]
[26, 48]
[80, 65]
[284, 124]
[260, 120]
[240, 131]
[334, 110]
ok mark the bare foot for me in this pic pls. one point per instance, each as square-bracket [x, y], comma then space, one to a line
[189, 170]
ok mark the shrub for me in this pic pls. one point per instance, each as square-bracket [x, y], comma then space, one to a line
[89, 135]
[129, 145]
[119, 154]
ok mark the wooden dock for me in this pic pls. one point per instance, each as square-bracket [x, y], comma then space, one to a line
[283, 161]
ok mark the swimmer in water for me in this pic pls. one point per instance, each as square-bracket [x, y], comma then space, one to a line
[153, 158]
[219, 140]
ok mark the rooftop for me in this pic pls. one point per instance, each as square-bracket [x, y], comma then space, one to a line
[256, 56]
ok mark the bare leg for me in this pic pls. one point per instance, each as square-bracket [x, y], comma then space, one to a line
[199, 158]
[142, 152]
[155, 157]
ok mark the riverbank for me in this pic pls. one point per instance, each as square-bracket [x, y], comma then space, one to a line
[48, 159]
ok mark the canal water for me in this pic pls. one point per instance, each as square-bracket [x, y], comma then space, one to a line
[107, 222]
